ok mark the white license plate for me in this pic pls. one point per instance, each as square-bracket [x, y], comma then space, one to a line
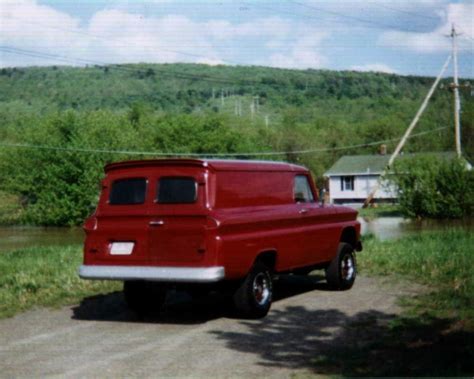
[121, 248]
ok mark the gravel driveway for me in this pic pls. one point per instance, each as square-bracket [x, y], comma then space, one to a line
[194, 338]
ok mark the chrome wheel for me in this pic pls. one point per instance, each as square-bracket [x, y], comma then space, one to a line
[253, 298]
[261, 288]
[347, 267]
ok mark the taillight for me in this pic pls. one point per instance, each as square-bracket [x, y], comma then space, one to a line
[90, 224]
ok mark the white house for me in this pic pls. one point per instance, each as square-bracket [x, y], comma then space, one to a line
[353, 177]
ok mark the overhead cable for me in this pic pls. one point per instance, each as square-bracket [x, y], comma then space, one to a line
[174, 154]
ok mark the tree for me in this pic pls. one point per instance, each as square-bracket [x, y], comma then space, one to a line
[432, 187]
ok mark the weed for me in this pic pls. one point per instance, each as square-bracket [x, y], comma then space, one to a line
[44, 276]
[442, 260]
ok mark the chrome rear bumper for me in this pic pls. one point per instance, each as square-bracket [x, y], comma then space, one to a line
[158, 274]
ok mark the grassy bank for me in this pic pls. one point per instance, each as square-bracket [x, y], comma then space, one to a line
[10, 209]
[442, 260]
[44, 276]
[384, 210]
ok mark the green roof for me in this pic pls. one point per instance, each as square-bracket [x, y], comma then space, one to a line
[372, 164]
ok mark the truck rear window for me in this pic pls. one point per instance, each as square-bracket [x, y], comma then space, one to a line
[174, 190]
[128, 191]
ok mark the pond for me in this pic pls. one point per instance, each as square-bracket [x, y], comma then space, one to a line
[19, 237]
[395, 227]
[13, 238]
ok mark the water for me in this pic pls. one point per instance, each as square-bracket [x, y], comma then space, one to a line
[13, 238]
[385, 228]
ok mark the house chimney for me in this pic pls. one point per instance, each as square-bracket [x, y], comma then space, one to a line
[383, 149]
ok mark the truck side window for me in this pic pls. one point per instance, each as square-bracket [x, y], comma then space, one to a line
[128, 191]
[302, 190]
[176, 190]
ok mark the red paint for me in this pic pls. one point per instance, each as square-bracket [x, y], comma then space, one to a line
[243, 209]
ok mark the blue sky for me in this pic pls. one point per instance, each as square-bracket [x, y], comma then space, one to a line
[405, 37]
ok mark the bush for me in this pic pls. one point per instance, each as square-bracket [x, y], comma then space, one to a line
[432, 187]
[61, 187]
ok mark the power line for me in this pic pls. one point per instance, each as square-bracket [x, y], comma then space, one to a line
[178, 75]
[249, 46]
[465, 35]
[79, 32]
[406, 12]
[377, 25]
[165, 154]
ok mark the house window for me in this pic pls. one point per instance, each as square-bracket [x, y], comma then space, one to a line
[347, 183]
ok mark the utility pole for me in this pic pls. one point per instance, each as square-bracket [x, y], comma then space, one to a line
[238, 108]
[455, 87]
[407, 133]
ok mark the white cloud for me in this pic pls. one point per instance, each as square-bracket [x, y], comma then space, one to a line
[374, 67]
[26, 24]
[114, 35]
[304, 52]
[460, 14]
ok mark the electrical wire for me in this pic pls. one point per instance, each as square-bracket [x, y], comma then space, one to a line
[406, 12]
[369, 23]
[178, 75]
[466, 36]
[165, 154]
[247, 46]
[83, 33]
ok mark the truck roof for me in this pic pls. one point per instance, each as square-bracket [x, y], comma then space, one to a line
[215, 164]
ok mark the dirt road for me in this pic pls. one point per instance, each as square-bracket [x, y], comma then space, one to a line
[199, 338]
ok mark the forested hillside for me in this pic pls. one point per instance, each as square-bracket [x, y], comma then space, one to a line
[186, 108]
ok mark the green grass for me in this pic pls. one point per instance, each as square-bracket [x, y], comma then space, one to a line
[442, 260]
[384, 210]
[10, 209]
[44, 276]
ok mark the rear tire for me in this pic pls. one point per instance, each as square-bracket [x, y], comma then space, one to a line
[253, 298]
[342, 270]
[142, 296]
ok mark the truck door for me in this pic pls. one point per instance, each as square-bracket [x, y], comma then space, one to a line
[176, 231]
[317, 222]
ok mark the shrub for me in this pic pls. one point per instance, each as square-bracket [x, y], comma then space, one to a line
[61, 187]
[432, 187]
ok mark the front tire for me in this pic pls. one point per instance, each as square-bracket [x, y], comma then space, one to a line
[142, 296]
[342, 270]
[253, 298]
